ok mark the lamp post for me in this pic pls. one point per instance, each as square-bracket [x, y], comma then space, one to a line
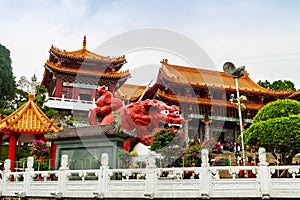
[240, 106]
[229, 68]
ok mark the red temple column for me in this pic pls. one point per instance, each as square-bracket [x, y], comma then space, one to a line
[12, 150]
[58, 87]
[76, 93]
[52, 154]
[111, 88]
[1, 137]
[93, 95]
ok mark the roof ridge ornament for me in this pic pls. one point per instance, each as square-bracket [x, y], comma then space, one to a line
[84, 42]
[31, 96]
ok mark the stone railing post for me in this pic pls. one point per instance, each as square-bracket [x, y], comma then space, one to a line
[103, 177]
[151, 177]
[28, 175]
[263, 175]
[205, 177]
[62, 176]
[6, 175]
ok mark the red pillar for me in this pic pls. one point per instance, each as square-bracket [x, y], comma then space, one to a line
[93, 96]
[58, 88]
[76, 93]
[1, 137]
[111, 88]
[12, 150]
[52, 154]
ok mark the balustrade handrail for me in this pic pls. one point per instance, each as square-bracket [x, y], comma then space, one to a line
[150, 182]
[70, 100]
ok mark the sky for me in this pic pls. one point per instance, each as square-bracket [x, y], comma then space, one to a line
[263, 36]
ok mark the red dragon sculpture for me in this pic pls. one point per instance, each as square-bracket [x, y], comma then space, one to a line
[142, 117]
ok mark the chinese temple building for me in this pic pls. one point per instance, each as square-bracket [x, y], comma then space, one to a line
[24, 125]
[72, 77]
[204, 98]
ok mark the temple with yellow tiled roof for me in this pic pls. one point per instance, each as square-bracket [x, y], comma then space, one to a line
[72, 77]
[204, 97]
[26, 124]
[81, 69]
[74, 74]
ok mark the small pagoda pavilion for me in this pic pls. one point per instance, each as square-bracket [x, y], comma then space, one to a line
[72, 77]
[77, 73]
[26, 124]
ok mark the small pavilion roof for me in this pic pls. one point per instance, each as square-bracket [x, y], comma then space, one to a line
[84, 54]
[108, 130]
[28, 119]
[209, 78]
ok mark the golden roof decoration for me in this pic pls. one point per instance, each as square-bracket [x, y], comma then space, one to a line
[208, 78]
[83, 54]
[29, 118]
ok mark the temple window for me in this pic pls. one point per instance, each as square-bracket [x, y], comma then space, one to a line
[219, 95]
[85, 94]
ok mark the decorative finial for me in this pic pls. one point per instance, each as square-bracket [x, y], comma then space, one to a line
[164, 61]
[84, 42]
[34, 79]
[31, 96]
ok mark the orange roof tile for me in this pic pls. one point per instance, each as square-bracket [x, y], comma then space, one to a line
[130, 92]
[83, 54]
[295, 95]
[29, 118]
[209, 78]
[117, 74]
[204, 101]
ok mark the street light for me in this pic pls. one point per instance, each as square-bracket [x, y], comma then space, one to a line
[229, 68]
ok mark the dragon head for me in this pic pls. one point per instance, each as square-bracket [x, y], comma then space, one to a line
[149, 114]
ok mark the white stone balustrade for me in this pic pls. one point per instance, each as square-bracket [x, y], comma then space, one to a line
[71, 104]
[151, 182]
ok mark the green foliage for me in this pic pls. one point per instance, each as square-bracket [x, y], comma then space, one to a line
[7, 80]
[40, 100]
[220, 162]
[265, 84]
[277, 127]
[278, 85]
[191, 156]
[280, 108]
[23, 152]
[167, 141]
[170, 144]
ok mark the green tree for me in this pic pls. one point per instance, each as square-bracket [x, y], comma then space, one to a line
[7, 80]
[283, 85]
[265, 84]
[40, 100]
[21, 98]
[278, 85]
[277, 128]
